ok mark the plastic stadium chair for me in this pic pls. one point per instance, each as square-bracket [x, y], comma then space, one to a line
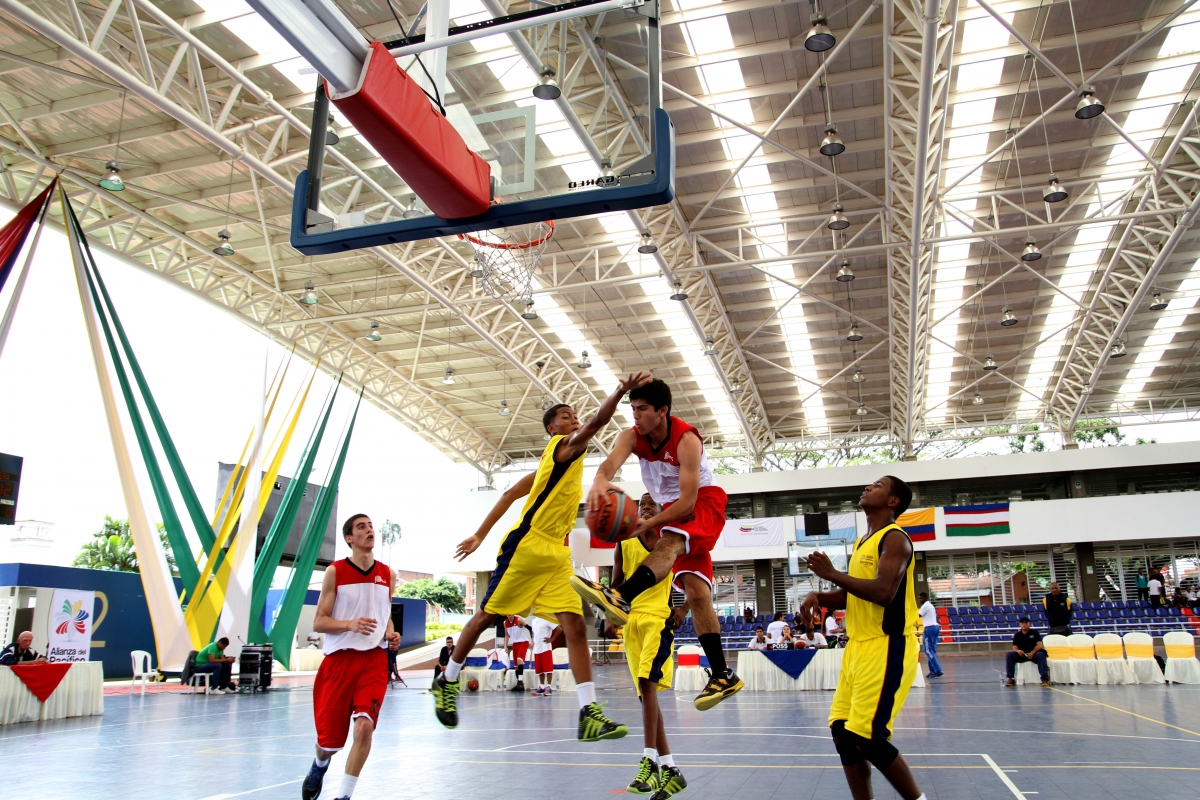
[1182, 666]
[1139, 654]
[192, 678]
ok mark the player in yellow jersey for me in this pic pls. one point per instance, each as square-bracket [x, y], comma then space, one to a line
[533, 567]
[881, 651]
[649, 638]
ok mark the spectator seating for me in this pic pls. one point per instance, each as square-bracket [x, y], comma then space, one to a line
[1111, 666]
[564, 679]
[142, 671]
[1139, 654]
[1083, 659]
[1182, 666]
[689, 677]
[1058, 657]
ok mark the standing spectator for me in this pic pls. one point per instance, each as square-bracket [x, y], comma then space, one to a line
[775, 629]
[748, 615]
[811, 638]
[1156, 589]
[1027, 646]
[21, 652]
[543, 656]
[760, 640]
[1058, 610]
[444, 657]
[1143, 585]
[932, 634]
[212, 659]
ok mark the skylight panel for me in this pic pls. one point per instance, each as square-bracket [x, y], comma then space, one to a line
[710, 35]
[739, 110]
[979, 75]
[964, 146]
[1166, 81]
[1181, 39]
[976, 112]
[754, 176]
[257, 33]
[760, 203]
[1146, 119]
[564, 143]
[723, 77]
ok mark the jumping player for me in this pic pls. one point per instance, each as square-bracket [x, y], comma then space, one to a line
[649, 640]
[533, 568]
[676, 473]
[882, 648]
[355, 601]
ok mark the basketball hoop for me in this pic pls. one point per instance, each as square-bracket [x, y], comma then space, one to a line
[507, 257]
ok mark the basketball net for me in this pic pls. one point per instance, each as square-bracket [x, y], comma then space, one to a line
[505, 258]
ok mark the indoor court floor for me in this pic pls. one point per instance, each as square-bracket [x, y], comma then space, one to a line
[966, 736]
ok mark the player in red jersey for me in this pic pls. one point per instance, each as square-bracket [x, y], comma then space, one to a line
[355, 614]
[676, 474]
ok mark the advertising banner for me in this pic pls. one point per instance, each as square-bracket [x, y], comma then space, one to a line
[753, 532]
[71, 626]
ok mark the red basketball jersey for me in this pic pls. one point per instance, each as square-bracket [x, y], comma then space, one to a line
[660, 466]
[360, 594]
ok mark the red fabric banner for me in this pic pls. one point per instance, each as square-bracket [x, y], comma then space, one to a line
[41, 679]
[12, 235]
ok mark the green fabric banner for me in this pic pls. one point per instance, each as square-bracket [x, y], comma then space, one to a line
[314, 534]
[272, 551]
[185, 562]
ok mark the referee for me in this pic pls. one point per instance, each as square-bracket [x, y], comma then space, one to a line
[881, 653]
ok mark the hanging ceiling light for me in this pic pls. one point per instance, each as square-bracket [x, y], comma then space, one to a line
[547, 86]
[448, 379]
[309, 298]
[737, 387]
[1089, 107]
[845, 274]
[832, 144]
[1031, 252]
[753, 416]
[412, 212]
[529, 313]
[861, 411]
[1054, 192]
[606, 170]
[837, 220]
[1087, 388]
[977, 400]
[710, 348]
[858, 376]
[1158, 304]
[680, 294]
[1008, 320]
[989, 363]
[331, 138]
[480, 271]
[1118, 350]
[647, 247]
[223, 248]
[854, 335]
[373, 335]
[583, 362]
[819, 38]
[546, 404]
[112, 181]
[504, 412]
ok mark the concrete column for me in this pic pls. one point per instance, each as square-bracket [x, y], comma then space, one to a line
[764, 591]
[920, 576]
[481, 584]
[1085, 559]
[758, 505]
[1077, 485]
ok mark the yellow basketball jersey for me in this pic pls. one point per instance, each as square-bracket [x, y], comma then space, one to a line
[867, 620]
[553, 502]
[655, 601]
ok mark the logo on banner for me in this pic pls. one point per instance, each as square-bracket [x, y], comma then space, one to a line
[71, 633]
[71, 620]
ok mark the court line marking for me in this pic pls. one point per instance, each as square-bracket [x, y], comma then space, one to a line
[1012, 787]
[252, 791]
[1127, 711]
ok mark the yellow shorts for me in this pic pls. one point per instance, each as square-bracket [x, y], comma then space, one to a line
[649, 643]
[876, 676]
[532, 577]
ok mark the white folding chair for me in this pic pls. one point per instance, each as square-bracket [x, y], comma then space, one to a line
[1058, 658]
[1139, 655]
[142, 671]
[1083, 659]
[1111, 666]
[1182, 666]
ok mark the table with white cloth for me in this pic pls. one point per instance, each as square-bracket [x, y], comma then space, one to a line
[307, 659]
[80, 693]
[822, 671]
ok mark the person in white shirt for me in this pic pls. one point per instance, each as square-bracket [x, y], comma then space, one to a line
[832, 629]
[543, 655]
[810, 638]
[1156, 589]
[516, 640]
[775, 629]
[932, 634]
[760, 640]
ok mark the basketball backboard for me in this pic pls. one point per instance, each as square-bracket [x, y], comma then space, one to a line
[562, 102]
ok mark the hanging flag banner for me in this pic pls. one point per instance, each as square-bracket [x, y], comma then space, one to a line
[753, 532]
[981, 520]
[919, 524]
[843, 526]
[71, 626]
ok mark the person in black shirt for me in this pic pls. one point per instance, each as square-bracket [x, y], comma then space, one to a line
[1058, 610]
[1027, 646]
[21, 652]
[444, 657]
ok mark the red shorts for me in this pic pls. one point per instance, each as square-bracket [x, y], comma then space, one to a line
[702, 528]
[350, 683]
[543, 662]
[519, 649]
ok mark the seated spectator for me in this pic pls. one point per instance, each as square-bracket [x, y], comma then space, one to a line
[786, 642]
[748, 615]
[775, 629]
[444, 657]
[314, 641]
[1181, 599]
[810, 638]
[21, 652]
[760, 640]
[213, 661]
[833, 631]
[1027, 646]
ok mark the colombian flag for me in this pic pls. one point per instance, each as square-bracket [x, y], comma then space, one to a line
[918, 524]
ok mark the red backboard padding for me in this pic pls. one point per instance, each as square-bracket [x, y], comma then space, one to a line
[395, 116]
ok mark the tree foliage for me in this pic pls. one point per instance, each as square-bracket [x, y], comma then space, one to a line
[1098, 433]
[443, 592]
[838, 452]
[389, 533]
[111, 548]
[1027, 440]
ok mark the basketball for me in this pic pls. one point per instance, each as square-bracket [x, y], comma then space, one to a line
[473, 685]
[616, 515]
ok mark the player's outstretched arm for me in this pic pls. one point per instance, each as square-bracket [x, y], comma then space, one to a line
[577, 442]
[325, 623]
[894, 555]
[507, 498]
[622, 449]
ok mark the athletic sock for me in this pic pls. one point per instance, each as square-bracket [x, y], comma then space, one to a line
[711, 642]
[348, 782]
[641, 580]
[452, 670]
[321, 764]
[586, 693]
[666, 761]
[650, 753]
[922, 797]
